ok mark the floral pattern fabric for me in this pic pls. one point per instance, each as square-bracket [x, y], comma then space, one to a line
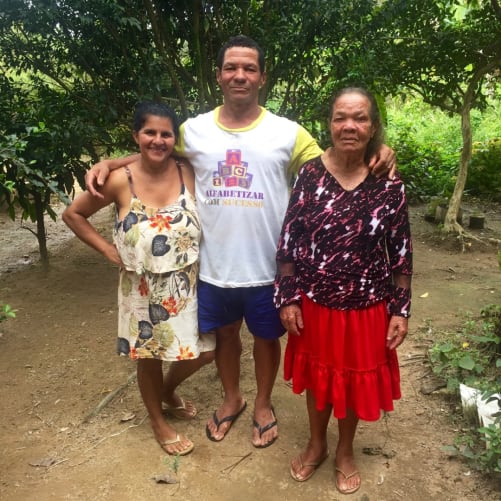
[157, 298]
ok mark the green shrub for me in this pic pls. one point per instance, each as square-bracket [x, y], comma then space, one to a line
[428, 143]
[484, 173]
[426, 171]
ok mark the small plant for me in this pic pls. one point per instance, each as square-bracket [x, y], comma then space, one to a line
[170, 477]
[473, 355]
[6, 312]
[490, 458]
[485, 458]
[173, 462]
[482, 446]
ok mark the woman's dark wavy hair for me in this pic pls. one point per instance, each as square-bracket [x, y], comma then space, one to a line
[241, 41]
[378, 138]
[147, 108]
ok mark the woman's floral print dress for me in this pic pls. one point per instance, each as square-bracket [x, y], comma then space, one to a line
[157, 294]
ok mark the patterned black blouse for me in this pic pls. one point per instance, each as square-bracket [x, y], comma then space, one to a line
[345, 244]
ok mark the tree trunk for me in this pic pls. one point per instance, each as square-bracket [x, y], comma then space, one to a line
[41, 236]
[450, 224]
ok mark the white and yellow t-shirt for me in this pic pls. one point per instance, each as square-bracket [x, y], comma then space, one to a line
[242, 178]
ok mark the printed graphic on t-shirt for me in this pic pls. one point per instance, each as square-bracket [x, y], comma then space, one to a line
[231, 174]
[232, 171]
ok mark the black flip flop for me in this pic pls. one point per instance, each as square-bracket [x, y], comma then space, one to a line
[227, 419]
[263, 429]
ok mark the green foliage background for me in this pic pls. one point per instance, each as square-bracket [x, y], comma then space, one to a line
[78, 68]
[428, 145]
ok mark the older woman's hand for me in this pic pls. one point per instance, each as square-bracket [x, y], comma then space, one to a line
[291, 318]
[397, 330]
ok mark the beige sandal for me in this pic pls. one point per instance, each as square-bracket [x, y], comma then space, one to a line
[182, 411]
[177, 440]
[346, 477]
[313, 465]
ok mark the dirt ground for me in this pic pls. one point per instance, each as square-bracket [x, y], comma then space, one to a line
[57, 362]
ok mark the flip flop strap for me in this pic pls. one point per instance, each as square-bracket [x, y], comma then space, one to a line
[226, 419]
[173, 441]
[346, 477]
[263, 429]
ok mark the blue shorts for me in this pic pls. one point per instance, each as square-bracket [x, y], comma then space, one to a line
[220, 306]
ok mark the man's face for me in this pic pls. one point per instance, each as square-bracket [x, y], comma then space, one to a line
[240, 77]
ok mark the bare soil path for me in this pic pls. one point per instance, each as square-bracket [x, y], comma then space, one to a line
[57, 361]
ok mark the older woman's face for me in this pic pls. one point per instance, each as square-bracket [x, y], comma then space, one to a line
[351, 125]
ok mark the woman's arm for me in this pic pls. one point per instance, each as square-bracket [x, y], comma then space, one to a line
[85, 205]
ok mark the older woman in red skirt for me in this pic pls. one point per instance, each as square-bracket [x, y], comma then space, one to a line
[343, 286]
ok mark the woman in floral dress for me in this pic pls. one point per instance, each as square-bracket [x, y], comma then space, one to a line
[156, 246]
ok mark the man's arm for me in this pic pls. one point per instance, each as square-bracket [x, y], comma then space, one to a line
[98, 173]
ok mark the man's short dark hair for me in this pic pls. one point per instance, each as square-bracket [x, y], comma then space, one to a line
[241, 41]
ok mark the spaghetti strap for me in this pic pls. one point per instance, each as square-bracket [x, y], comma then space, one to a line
[180, 172]
[129, 177]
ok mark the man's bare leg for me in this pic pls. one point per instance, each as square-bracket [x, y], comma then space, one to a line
[228, 351]
[267, 354]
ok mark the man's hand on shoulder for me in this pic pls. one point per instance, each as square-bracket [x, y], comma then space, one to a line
[96, 176]
[384, 163]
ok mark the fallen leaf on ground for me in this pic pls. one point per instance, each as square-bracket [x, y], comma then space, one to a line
[372, 451]
[45, 462]
[127, 416]
[165, 478]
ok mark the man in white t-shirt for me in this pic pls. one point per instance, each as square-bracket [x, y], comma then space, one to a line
[243, 157]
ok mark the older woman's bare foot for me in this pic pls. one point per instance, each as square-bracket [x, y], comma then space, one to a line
[304, 466]
[347, 476]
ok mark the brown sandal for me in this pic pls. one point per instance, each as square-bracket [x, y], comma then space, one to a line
[313, 465]
[346, 477]
[182, 411]
[177, 440]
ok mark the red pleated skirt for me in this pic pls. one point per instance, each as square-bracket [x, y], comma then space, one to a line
[341, 357]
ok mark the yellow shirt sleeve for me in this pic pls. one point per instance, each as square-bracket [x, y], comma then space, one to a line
[180, 147]
[305, 149]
